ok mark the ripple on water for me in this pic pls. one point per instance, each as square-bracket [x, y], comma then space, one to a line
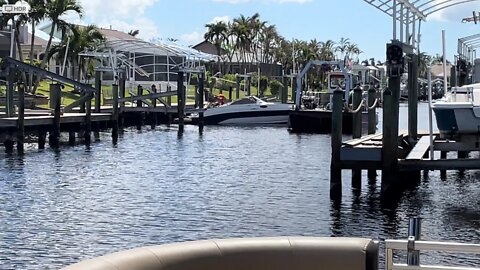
[58, 207]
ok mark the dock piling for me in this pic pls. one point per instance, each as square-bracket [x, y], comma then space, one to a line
[10, 106]
[284, 92]
[443, 173]
[21, 118]
[139, 105]
[181, 101]
[42, 138]
[413, 97]
[372, 122]
[237, 87]
[249, 85]
[357, 132]
[88, 119]
[121, 89]
[201, 89]
[230, 90]
[115, 116]
[335, 169]
[71, 138]
[98, 91]
[153, 115]
[55, 102]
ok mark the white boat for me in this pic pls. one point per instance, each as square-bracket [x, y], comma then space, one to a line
[459, 112]
[246, 111]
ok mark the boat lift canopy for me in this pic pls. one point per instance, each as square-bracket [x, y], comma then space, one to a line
[409, 13]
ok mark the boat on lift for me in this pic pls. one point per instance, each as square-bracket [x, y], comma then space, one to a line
[249, 110]
[458, 113]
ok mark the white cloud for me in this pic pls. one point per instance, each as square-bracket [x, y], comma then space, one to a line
[455, 13]
[272, 1]
[192, 38]
[96, 9]
[224, 19]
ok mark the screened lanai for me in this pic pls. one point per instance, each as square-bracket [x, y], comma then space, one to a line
[145, 62]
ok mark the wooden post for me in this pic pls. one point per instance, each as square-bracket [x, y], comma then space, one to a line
[42, 138]
[10, 106]
[55, 100]
[139, 105]
[453, 78]
[88, 118]
[98, 91]
[71, 137]
[181, 101]
[372, 122]
[443, 173]
[169, 103]
[153, 114]
[249, 85]
[390, 134]
[21, 118]
[284, 91]
[413, 97]
[83, 105]
[357, 133]
[121, 87]
[201, 88]
[139, 93]
[115, 114]
[335, 168]
[294, 89]
[237, 87]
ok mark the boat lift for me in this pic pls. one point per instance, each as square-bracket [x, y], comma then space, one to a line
[301, 74]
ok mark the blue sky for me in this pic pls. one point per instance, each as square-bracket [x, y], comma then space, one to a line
[301, 19]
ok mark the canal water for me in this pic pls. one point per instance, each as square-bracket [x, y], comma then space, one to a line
[61, 206]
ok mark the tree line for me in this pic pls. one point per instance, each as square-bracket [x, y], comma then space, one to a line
[254, 40]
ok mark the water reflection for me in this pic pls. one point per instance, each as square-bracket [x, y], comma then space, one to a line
[61, 206]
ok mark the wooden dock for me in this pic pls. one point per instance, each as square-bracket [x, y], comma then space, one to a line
[80, 118]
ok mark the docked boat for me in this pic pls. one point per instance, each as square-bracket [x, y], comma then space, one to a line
[459, 112]
[249, 110]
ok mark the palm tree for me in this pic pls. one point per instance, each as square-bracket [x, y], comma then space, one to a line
[79, 39]
[268, 40]
[54, 10]
[36, 14]
[217, 34]
[353, 51]
[327, 50]
[342, 46]
[424, 60]
[134, 33]
[242, 32]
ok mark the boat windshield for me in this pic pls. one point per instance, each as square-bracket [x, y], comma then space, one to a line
[246, 100]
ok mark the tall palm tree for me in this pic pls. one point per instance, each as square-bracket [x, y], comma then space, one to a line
[327, 50]
[342, 46]
[241, 30]
[217, 34]
[54, 9]
[79, 39]
[36, 14]
[353, 51]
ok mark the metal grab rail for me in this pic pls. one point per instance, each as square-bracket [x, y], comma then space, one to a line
[408, 245]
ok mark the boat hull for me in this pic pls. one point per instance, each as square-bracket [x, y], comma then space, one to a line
[457, 119]
[277, 117]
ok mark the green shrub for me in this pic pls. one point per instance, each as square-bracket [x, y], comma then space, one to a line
[275, 87]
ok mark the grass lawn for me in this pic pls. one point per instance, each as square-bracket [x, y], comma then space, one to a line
[69, 97]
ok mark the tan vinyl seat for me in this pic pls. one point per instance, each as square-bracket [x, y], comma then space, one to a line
[275, 253]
